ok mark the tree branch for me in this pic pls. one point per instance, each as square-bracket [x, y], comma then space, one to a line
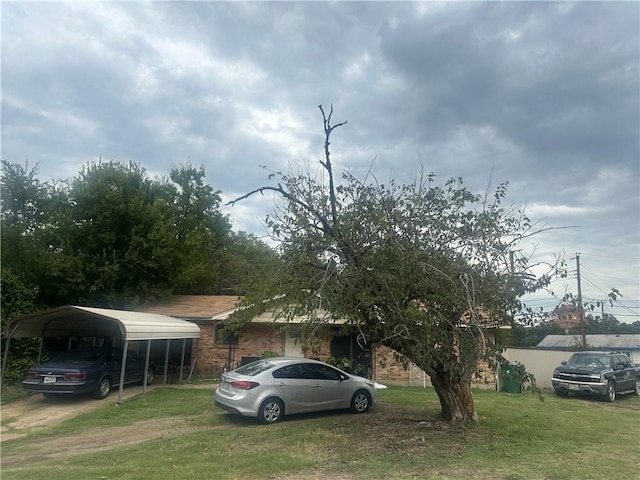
[328, 229]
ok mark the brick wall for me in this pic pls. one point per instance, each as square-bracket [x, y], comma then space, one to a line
[257, 338]
[254, 340]
[390, 370]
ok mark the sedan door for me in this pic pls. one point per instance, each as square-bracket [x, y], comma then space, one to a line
[113, 360]
[134, 370]
[293, 388]
[329, 389]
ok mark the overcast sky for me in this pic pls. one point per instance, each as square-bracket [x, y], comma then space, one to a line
[544, 95]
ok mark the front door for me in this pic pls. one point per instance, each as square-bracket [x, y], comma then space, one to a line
[292, 345]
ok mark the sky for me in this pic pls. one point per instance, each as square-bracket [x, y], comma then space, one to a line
[543, 95]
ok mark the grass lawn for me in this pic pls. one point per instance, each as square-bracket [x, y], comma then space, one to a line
[519, 437]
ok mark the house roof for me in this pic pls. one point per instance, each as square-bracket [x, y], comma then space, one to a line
[71, 320]
[606, 342]
[192, 306]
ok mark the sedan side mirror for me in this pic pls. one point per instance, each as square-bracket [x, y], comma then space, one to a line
[564, 362]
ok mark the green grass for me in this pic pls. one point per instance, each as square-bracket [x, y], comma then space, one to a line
[518, 437]
[11, 393]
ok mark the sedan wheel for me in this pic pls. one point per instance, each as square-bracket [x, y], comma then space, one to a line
[271, 411]
[638, 386]
[150, 376]
[104, 387]
[360, 402]
[611, 391]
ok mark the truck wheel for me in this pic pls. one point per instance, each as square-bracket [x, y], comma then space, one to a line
[611, 391]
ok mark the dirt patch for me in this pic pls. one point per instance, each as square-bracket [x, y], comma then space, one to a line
[36, 411]
[98, 440]
[388, 428]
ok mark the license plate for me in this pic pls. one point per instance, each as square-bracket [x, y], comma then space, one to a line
[573, 387]
[49, 379]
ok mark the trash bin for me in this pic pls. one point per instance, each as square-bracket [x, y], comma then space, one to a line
[510, 383]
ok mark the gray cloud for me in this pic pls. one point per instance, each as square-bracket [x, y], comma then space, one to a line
[541, 94]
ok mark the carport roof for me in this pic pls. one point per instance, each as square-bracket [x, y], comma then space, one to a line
[71, 320]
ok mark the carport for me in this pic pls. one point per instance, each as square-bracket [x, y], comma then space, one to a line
[74, 321]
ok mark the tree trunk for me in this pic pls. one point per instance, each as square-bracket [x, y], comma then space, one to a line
[455, 398]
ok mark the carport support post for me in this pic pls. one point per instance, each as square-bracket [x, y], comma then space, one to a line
[146, 367]
[184, 346]
[40, 351]
[123, 369]
[194, 358]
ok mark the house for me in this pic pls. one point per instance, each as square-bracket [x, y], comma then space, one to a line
[567, 317]
[217, 352]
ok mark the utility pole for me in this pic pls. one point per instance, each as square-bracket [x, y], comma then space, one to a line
[583, 327]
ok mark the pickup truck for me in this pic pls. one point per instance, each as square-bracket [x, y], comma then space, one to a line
[598, 373]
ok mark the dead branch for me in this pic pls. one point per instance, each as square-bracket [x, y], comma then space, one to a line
[328, 229]
[328, 128]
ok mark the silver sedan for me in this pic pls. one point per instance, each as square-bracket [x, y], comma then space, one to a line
[273, 387]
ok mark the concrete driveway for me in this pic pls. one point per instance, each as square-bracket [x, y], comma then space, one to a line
[35, 411]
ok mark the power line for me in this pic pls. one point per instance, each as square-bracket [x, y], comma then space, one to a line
[615, 300]
[596, 275]
[615, 257]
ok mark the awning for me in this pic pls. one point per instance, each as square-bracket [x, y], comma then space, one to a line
[71, 320]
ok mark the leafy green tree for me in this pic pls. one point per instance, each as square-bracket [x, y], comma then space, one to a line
[17, 298]
[23, 197]
[116, 246]
[202, 231]
[248, 264]
[113, 237]
[608, 325]
[420, 268]
[30, 209]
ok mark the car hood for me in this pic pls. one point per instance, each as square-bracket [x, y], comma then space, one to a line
[579, 370]
[360, 379]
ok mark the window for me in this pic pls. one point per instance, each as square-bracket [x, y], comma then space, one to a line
[290, 371]
[321, 372]
[254, 368]
[622, 360]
